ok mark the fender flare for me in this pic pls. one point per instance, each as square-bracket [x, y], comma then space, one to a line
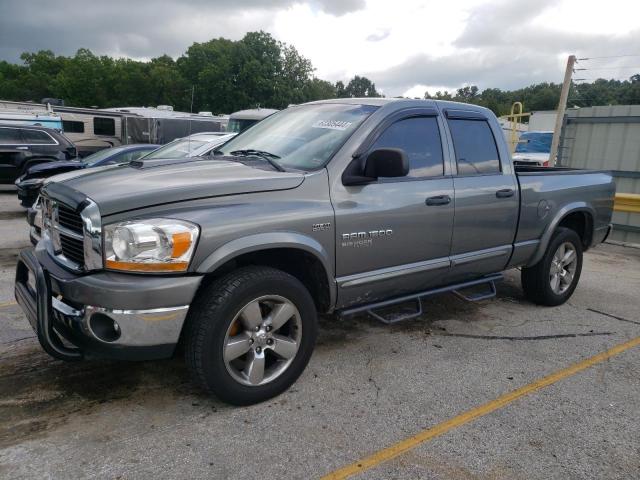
[267, 241]
[553, 225]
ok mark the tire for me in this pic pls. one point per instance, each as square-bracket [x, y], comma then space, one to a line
[226, 310]
[538, 281]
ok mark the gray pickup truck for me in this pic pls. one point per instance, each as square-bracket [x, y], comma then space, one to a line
[341, 206]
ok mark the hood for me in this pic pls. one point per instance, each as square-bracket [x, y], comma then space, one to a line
[61, 177]
[52, 168]
[143, 184]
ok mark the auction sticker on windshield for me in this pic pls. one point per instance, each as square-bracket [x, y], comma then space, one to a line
[332, 124]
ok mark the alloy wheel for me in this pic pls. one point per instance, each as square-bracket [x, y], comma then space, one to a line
[262, 340]
[563, 268]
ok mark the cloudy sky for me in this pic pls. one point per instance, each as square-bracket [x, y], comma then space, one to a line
[404, 46]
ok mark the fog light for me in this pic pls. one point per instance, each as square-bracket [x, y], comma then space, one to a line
[104, 327]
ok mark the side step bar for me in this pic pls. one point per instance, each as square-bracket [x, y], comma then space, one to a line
[456, 289]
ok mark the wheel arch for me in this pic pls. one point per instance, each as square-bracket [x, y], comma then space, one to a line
[29, 162]
[578, 216]
[297, 254]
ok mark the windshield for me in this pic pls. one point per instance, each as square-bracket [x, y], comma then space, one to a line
[534, 142]
[303, 137]
[101, 155]
[180, 148]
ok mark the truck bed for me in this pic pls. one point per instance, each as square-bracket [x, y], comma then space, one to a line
[546, 192]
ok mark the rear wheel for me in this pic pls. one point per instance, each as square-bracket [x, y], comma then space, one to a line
[554, 278]
[250, 334]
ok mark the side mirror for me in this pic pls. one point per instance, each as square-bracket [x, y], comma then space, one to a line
[386, 162]
[383, 162]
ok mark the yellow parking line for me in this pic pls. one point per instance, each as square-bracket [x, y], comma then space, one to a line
[7, 304]
[399, 448]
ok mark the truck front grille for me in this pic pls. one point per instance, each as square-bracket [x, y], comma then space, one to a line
[73, 249]
[69, 219]
[65, 230]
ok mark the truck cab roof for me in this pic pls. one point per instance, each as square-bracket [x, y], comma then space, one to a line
[405, 103]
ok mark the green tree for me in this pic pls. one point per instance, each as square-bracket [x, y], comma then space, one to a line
[361, 87]
[443, 96]
[11, 85]
[208, 67]
[254, 71]
[467, 94]
[317, 89]
[257, 70]
[85, 80]
[293, 82]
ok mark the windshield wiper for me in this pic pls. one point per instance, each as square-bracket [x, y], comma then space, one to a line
[269, 157]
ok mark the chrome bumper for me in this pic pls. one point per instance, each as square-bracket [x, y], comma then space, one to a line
[70, 326]
[132, 328]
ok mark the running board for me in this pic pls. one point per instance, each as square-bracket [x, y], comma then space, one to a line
[456, 289]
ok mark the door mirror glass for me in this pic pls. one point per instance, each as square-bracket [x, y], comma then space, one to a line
[381, 162]
[386, 162]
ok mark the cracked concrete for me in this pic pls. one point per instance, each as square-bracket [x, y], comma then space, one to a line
[367, 386]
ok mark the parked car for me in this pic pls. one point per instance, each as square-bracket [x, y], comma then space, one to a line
[338, 206]
[30, 182]
[533, 149]
[23, 146]
[196, 145]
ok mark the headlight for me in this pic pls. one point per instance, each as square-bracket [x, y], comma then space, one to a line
[150, 245]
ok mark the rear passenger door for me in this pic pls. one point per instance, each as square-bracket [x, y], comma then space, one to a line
[486, 196]
[393, 235]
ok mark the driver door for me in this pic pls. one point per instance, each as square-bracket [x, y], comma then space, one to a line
[393, 235]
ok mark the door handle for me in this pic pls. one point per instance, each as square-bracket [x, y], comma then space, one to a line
[438, 200]
[22, 148]
[505, 193]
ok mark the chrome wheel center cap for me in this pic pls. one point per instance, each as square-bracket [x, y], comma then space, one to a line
[261, 338]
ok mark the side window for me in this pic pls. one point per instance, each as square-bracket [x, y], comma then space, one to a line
[72, 126]
[419, 137]
[10, 136]
[37, 137]
[475, 147]
[104, 126]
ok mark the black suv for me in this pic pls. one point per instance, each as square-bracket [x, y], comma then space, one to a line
[22, 146]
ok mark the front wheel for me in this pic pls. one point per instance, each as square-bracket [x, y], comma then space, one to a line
[554, 278]
[250, 334]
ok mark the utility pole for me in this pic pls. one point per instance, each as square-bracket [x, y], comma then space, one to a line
[562, 106]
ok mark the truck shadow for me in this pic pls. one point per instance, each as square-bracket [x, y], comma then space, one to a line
[336, 332]
[39, 394]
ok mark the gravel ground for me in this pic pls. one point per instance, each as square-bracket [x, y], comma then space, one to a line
[368, 386]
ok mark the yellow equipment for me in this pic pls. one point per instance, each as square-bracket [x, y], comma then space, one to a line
[515, 117]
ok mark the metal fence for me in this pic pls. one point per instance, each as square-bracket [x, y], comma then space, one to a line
[607, 138]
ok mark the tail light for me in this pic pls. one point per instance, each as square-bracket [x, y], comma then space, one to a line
[545, 163]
